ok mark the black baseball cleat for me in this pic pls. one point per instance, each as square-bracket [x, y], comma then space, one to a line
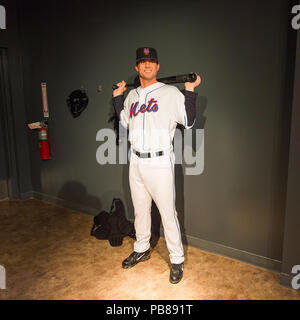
[135, 258]
[176, 272]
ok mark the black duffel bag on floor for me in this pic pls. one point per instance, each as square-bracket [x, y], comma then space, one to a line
[113, 226]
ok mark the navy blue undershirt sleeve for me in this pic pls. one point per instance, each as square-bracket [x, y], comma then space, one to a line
[118, 103]
[190, 106]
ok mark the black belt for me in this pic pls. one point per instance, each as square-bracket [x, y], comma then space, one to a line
[148, 154]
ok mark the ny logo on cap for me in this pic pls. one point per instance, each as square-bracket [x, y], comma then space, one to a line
[146, 51]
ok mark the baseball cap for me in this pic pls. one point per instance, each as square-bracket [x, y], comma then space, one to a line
[146, 53]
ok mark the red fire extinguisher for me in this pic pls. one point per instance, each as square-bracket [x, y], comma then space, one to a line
[42, 127]
[44, 143]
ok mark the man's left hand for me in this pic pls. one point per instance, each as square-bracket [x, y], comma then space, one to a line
[190, 86]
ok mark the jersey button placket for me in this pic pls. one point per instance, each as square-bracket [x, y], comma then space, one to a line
[141, 101]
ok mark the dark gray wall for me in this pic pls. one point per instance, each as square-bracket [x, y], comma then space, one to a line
[291, 248]
[240, 50]
[3, 143]
[20, 169]
[3, 166]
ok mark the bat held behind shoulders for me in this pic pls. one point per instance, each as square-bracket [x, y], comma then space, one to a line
[190, 77]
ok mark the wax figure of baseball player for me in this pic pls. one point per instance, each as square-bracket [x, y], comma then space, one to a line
[151, 112]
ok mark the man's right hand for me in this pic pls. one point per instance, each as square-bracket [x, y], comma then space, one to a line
[121, 88]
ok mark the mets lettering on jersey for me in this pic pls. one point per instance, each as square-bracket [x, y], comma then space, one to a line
[135, 109]
[151, 114]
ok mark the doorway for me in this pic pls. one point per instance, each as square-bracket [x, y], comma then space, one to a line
[9, 177]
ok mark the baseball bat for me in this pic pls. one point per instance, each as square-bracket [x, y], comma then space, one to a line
[190, 77]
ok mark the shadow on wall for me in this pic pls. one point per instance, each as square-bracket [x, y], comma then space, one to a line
[75, 196]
